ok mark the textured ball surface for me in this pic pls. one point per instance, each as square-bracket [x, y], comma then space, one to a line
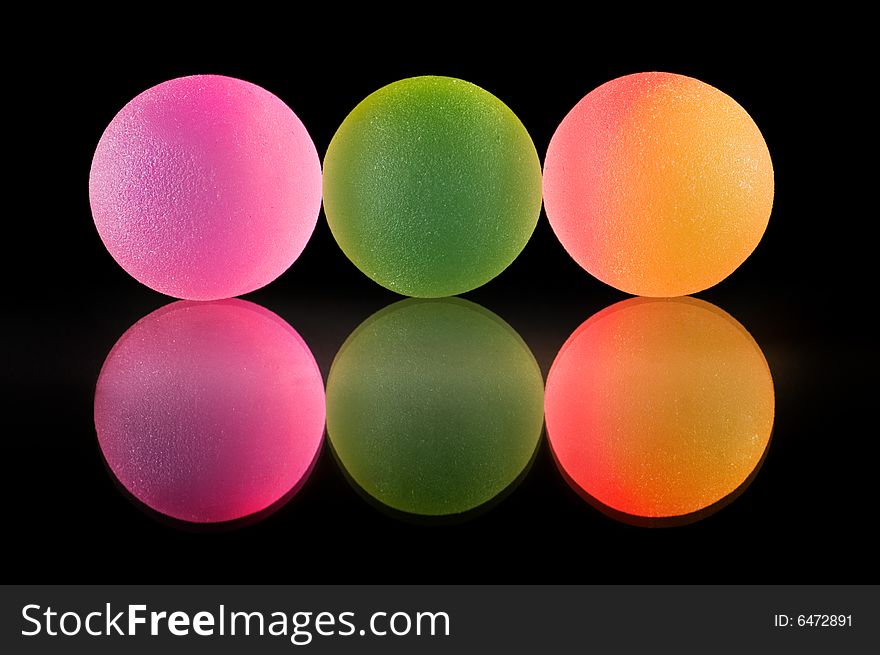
[432, 186]
[434, 407]
[659, 408]
[210, 412]
[658, 184]
[205, 187]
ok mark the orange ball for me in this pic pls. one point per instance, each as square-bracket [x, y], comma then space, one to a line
[658, 184]
[659, 408]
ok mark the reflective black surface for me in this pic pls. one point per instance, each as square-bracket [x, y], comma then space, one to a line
[803, 518]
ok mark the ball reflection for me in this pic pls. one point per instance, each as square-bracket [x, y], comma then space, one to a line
[659, 408]
[434, 407]
[210, 412]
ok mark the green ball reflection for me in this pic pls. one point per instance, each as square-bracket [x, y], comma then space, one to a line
[434, 407]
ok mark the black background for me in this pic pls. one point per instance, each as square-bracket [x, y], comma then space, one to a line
[802, 519]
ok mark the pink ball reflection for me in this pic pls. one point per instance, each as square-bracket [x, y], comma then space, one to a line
[210, 412]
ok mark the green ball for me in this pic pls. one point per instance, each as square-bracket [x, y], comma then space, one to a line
[434, 407]
[432, 186]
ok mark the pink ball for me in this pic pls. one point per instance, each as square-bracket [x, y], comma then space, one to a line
[205, 187]
[210, 412]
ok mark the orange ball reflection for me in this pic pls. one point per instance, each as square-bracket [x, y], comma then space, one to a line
[659, 408]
